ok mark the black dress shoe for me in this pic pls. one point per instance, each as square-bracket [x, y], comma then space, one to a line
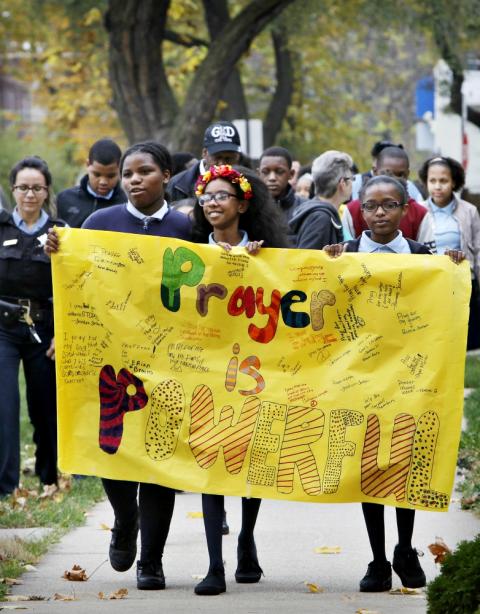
[225, 527]
[150, 576]
[377, 579]
[212, 584]
[407, 566]
[123, 547]
[248, 570]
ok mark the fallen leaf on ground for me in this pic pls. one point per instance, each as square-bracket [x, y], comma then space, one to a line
[198, 576]
[65, 483]
[10, 581]
[29, 568]
[120, 594]
[101, 595]
[439, 550]
[48, 491]
[328, 550]
[404, 590]
[60, 597]
[105, 527]
[194, 514]
[314, 588]
[76, 574]
[363, 611]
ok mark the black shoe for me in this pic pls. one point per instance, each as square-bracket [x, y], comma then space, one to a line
[377, 579]
[407, 567]
[150, 576]
[248, 570]
[123, 547]
[225, 527]
[212, 584]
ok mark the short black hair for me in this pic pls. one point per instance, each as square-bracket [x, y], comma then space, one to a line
[180, 159]
[278, 152]
[456, 169]
[159, 153]
[379, 145]
[105, 151]
[398, 184]
[392, 152]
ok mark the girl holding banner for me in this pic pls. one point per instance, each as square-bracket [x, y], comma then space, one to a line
[233, 208]
[384, 203]
[145, 169]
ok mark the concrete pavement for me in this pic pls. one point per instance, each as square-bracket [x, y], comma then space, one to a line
[287, 534]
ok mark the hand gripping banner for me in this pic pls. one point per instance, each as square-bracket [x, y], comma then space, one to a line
[286, 375]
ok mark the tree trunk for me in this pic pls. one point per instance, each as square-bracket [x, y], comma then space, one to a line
[142, 96]
[233, 95]
[282, 97]
[225, 51]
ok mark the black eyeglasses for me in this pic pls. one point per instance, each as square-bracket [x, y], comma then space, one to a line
[218, 197]
[387, 205]
[36, 189]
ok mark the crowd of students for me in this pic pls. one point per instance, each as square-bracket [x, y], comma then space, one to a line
[222, 201]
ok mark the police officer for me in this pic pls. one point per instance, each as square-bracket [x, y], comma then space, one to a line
[26, 323]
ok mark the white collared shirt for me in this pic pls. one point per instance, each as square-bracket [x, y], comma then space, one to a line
[160, 214]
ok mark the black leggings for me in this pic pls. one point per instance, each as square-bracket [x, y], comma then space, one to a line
[374, 519]
[154, 509]
[213, 506]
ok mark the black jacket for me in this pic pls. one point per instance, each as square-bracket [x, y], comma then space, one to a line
[76, 204]
[25, 270]
[182, 185]
[316, 223]
[415, 247]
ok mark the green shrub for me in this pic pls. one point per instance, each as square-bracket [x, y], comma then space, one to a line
[457, 589]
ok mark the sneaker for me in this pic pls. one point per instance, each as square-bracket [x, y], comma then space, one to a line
[150, 576]
[212, 584]
[248, 570]
[407, 567]
[225, 527]
[377, 579]
[123, 547]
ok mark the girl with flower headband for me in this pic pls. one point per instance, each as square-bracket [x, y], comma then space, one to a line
[233, 207]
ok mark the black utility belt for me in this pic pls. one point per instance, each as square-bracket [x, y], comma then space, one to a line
[15, 310]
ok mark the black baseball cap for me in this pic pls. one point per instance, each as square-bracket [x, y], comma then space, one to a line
[221, 136]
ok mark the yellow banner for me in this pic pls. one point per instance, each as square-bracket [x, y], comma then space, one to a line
[286, 375]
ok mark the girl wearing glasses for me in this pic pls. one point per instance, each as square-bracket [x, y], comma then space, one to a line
[384, 203]
[26, 323]
[456, 224]
[233, 207]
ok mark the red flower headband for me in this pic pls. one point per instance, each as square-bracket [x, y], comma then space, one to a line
[224, 171]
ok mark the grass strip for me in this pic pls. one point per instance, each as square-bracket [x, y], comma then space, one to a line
[30, 506]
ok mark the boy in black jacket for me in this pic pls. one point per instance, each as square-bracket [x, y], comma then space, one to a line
[98, 189]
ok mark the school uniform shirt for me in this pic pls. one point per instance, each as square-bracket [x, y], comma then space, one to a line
[165, 222]
[243, 242]
[398, 245]
[447, 230]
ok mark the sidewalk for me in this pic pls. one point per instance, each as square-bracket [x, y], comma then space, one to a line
[287, 534]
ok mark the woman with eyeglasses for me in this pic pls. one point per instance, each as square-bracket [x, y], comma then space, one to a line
[384, 202]
[26, 323]
[234, 208]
